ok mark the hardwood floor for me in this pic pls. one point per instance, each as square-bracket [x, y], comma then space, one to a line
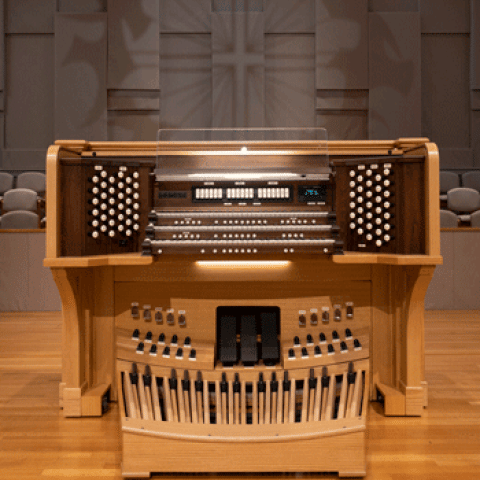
[37, 442]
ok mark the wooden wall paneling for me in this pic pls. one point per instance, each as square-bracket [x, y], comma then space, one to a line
[445, 16]
[133, 125]
[24, 160]
[80, 76]
[287, 16]
[14, 272]
[82, 6]
[133, 44]
[395, 83]
[2, 49]
[289, 80]
[29, 92]
[445, 90]
[460, 158]
[475, 137]
[185, 16]
[186, 81]
[237, 6]
[344, 125]
[342, 100]
[393, 5]
[238, 69]
[341, 37]
[466, 281]
[29, 16]
[2, 142]
[440, 294]
[475, 44]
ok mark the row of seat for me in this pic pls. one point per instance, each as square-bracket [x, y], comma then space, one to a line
[20, 219]
[451, 180]
[32, 180]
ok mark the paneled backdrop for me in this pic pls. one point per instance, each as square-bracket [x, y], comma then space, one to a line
[120, 69]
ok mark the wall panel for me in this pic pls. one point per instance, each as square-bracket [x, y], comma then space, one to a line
[133, 44]
[289, 16]
[445, 90]
[344, 125]
[341, 44]
[445, 16]
[289, 80]
[395, 84]
[133, 125]
[81, 53]
[82, 6]
[393, 5]
[238, 69]
[29, 91]
[185, 81]
[29, 16]
[185, 16]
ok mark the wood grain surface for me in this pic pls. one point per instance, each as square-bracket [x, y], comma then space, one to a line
[36, 441]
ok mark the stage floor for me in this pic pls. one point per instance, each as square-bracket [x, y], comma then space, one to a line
[37, 442]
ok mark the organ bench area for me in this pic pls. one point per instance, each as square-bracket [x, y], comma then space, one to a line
[243, 324]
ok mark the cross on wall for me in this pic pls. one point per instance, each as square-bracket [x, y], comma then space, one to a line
[239, 59]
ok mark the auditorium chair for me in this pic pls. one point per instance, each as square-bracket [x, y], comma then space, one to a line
[464, 201]
[6, 183]
[19, 220]
[448, 181]
[471, 180]
[475, 219]
[32, 180]
[20, 199]
[448, 219]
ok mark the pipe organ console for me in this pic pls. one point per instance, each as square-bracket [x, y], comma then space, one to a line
[243, 302]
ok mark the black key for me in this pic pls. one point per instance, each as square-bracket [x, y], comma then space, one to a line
[147, 376]
[186, 382]
[270, 344]
[227, 348]
[312, 381]
[324, 377]
[173, 382]
[248, 340]
[134, 374]
[224, 384]
[262, 386]
[274, 383]
[199, 382]
[286, 382]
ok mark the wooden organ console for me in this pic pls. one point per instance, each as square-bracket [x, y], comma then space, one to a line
[242, 316]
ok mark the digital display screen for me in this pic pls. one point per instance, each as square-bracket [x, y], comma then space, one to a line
[315, 193]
